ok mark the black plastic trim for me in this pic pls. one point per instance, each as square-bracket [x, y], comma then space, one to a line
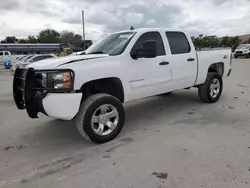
[79, 60]
[28, 95]
[229, 72]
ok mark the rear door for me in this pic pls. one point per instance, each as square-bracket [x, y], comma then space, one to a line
[183, 58]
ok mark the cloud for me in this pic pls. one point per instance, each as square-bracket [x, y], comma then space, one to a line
[133, 18]
[9, 5]
[217, 17]
[119, 18]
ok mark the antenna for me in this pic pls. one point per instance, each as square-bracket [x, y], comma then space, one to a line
[83, 30]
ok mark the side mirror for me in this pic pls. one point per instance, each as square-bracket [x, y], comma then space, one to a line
[134, 54]
[148, 50]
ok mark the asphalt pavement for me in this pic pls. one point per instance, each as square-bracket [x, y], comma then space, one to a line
[172, 141]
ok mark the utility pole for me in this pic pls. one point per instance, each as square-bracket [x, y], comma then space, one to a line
[83, 30]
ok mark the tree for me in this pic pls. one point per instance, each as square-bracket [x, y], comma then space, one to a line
[49, 36]
[225, 41]
[22, 41]
[67, 37]
[32, 39]
[88, 43]
[205, 41]
[234, 41]
[10, 39]
[77, 40]
[230, 41]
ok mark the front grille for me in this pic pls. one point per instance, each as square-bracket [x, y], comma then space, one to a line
[239, 52]
[24, 92]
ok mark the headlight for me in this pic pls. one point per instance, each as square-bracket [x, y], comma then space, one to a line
[61, 80]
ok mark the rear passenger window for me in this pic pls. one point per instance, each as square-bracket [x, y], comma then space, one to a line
[153, 36]
[178, 42]
[38, 58]
[6, 53]
[47, 56]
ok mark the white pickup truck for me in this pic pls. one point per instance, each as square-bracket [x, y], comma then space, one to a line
[122, 67]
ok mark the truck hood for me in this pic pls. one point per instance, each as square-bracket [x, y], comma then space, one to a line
[56, 62]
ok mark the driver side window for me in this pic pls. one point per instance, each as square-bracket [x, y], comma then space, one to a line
[151, 36]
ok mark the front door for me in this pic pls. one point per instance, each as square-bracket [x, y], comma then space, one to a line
[149, 76]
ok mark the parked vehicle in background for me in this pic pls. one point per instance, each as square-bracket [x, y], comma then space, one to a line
[242, 50]
[31, 59]
[14, 63]
[4, 55]
[78, 53]
[122, 67]
[7, 63]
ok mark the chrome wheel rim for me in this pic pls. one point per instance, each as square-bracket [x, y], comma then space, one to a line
[214, 88]
[105, 119]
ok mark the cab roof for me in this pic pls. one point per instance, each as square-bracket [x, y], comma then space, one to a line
[141, 30]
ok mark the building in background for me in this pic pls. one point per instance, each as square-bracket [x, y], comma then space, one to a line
[18, 49]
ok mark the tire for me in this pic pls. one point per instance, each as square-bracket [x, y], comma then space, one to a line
[236, 56]
[89, 108]
[204, 89]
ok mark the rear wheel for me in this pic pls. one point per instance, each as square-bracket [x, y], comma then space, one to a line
[211, 90]
[101, 118]
[236, 56]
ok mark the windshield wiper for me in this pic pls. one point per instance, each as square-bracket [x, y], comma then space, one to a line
[97, 52]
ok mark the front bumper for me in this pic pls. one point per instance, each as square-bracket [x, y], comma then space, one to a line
[62, 105]
[240, 53]
[29, 96]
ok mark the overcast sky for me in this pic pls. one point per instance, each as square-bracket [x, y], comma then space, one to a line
[218, 17]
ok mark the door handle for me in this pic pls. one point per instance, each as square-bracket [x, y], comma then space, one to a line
[190, 59]
[164, 63]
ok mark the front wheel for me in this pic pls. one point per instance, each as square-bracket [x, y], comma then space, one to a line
[101, 118]
[211, 90]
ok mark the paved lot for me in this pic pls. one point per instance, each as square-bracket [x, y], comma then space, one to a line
[167, 142]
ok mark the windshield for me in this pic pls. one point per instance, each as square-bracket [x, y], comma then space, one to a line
[28, 58]
[114, 44]
[22, 57]
[243, 46]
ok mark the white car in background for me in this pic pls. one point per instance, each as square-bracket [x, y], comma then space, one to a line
[31, 59]
[242, 50]
[15, 63]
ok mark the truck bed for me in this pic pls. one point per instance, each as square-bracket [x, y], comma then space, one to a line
[206, 57]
